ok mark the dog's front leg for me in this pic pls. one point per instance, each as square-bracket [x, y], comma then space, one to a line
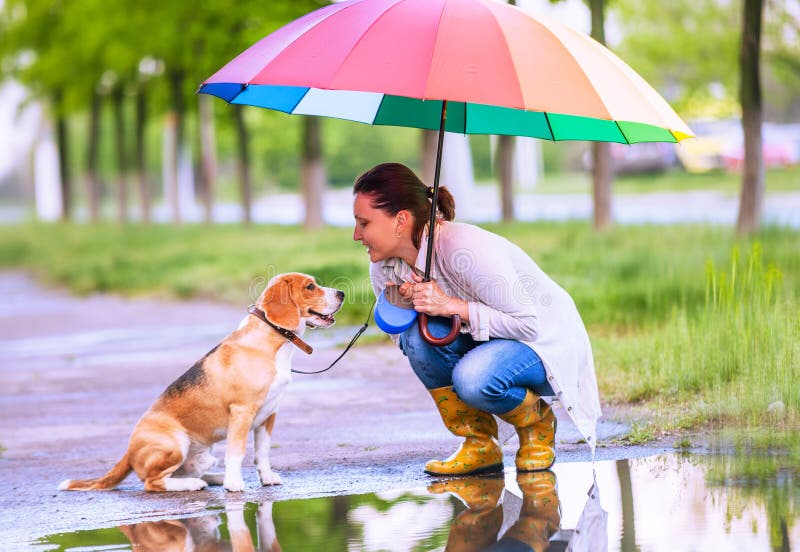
[262, 436]
[267, 536]
[238, 530]
[241, 419]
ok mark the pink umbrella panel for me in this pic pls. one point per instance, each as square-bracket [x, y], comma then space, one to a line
[502, 71]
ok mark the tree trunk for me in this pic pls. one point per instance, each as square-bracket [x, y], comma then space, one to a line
[140, 122]
[505, 170]
[62, 136]
[245, 185]
[505, 174]
[628, 541]
[752, 195]
[602, 171]
[173, 195]
[429, 143]
[92, 149]
[602, 180]
[208, 155]
[312, 172]
[118, 100]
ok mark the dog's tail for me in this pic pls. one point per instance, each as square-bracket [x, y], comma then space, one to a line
[110, 480]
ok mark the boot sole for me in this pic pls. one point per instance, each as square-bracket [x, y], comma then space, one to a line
[532, 470]
[494, 468]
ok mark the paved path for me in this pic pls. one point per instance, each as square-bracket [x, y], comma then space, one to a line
[482, 204]
[76, 373]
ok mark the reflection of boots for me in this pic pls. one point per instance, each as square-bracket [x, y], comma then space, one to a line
[539, 516]
[536, 428]
[480, 452]
[476, 527]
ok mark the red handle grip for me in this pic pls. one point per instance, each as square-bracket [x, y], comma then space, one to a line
[455, 329]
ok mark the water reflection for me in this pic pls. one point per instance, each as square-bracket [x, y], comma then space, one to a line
[668, 502]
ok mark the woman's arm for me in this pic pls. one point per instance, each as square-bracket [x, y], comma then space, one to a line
[506, 303]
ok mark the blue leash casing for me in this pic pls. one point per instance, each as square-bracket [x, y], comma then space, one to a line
[393, 313]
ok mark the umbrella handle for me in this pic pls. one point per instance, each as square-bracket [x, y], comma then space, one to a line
[455, 329]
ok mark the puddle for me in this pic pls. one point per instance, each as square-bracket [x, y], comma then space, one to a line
[670, 502]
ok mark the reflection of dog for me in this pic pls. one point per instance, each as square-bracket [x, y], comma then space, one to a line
[233, 389]
[202, 533]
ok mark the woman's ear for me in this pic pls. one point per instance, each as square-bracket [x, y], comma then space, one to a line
[280, 306]
[403, 220]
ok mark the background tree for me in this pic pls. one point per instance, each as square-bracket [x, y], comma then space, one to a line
[504, 165]
[685, 48]
[602, 173]
[32, 53]
[752, 194]
[602, 170]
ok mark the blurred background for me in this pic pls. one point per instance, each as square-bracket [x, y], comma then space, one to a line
[99, 120]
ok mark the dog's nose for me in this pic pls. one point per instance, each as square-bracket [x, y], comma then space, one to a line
[340, 294]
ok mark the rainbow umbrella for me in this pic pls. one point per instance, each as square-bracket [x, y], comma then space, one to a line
[468, 66]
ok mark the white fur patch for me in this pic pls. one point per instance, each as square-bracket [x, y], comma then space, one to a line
[267, 536]
[233, 474]
[283, 375]
[184, 484]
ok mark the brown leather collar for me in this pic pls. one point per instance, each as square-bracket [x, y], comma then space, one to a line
[288, 334]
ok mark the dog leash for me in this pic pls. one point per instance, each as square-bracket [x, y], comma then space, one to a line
[360, 331]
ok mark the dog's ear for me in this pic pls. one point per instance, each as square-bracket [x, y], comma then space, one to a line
[280, 305]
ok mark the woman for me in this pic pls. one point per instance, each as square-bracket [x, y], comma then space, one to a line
[521, 337]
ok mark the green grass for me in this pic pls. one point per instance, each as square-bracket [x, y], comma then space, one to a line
[676, 180]
[727, 361]
[699, 327]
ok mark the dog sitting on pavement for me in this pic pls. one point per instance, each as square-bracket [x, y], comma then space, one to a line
[235, 388]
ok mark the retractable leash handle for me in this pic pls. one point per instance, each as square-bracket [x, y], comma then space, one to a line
[455, 329]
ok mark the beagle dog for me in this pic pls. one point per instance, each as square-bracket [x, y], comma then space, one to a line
[203, 533]
[235, 388]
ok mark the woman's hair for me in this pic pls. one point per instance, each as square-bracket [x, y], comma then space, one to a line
[393, 187]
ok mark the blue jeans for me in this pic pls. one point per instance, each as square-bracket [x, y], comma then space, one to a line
[492, 376]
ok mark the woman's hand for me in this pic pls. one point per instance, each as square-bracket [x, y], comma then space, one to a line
[428, 298]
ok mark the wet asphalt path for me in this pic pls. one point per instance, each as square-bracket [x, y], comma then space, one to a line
[77, 372]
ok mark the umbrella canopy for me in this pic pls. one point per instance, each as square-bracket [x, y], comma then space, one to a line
[502, 71]
[469, 66]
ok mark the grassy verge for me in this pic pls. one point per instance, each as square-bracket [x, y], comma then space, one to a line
[696, 326]
[777, 180]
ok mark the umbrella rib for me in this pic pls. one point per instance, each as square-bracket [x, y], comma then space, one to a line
[549, 126]
[627, 141]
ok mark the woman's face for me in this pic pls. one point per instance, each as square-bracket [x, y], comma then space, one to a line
[377, 230]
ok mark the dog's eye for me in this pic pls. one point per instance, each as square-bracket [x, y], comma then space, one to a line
[311, 287]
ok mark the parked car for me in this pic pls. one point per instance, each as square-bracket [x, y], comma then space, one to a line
[780, 148]
[719, 145]
[714, 139]
[645, 157]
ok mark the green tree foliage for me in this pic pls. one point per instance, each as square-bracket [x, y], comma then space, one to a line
[689, 49]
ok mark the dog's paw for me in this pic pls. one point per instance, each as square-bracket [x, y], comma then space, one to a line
[269, 477]
[234, 485]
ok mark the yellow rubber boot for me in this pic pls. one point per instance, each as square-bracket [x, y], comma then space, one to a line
[477, 526]
[536, 428]
[480, 452]
[539, 517]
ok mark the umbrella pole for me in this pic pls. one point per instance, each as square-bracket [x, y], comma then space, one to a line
[422, 319]
[432, 225]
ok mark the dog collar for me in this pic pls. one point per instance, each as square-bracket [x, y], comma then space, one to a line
[288, 334]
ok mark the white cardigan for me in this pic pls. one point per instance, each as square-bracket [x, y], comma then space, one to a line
[510, 297]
